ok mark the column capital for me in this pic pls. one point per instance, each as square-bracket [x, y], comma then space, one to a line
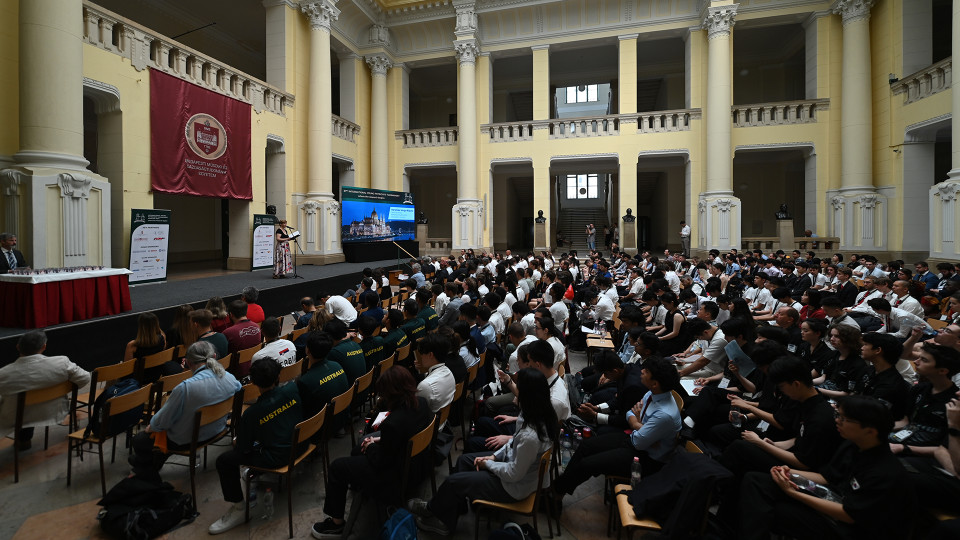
[852, 10]
[719, 20]
[466, 51]
[379, 64]
[320, 12]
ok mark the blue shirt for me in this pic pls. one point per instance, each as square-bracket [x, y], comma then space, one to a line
[660, 423]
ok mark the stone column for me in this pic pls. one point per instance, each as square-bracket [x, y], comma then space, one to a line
[859, 222]
[627, 179]
[468, 212]
[379, 127]
[719, 209]
[542, 98]
[944, 217]
[320, 212]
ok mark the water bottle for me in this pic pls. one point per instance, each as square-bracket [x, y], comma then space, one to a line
[268, 504]
[577, 439]
[736, 418]
[252, 495]
[566, 450]
[635, 473]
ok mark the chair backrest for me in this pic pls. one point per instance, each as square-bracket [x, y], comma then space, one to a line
[472, 373]
[107, 374]
[246, 355]
[123, 403]
[937, 324]
[443, 414]
[415, 446]
[157, 359]
[385, 303]
[678, 399]
[692, 447]
[542, 469]
[165, 385]
[387, 363]
[342, 402]
[403, 353]
[458, 390]
[210, 414]
[297, 333]
[308, 428]
[363, 382]
[291, 372]
[226, 361]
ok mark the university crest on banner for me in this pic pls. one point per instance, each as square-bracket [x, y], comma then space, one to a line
[199, 140]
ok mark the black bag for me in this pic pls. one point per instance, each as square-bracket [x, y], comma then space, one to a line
[140, 509]
[118, 423]
[513, 531]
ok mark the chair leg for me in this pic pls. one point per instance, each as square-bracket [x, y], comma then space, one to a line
[69, 459]
[193, 476]
[113, 453]
[246, 499]
[290, 502]
[476, 523]
[46, 437]
[103, 473]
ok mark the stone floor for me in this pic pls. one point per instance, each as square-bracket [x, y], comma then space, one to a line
[41, 505]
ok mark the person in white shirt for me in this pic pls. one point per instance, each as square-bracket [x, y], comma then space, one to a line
[603, 308]
[904, 301]
[672, 279]
[545, 330]
[764, 296]
[492, 301]
[685, 238]
[896, 322]
[441, 301]
[281, 350]
[339, 307]
[437, 386]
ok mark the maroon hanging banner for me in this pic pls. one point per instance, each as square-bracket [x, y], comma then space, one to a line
[199, 140]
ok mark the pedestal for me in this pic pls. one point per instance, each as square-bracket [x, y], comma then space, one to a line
[719, 223]
[628, 237]
[61, 217]
[858, 217]
[467, 217]
[541, 236]
[320, 226]
[422, 237]
[785, 234]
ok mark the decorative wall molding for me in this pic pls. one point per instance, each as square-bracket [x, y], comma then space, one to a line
[379, 64]
[719, 20]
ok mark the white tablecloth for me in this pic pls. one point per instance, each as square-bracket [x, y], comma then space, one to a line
[65, 276]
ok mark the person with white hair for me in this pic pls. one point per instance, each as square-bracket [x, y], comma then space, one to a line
[210, 384]
[417, 275]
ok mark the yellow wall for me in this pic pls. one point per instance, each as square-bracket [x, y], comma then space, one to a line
[9, 87]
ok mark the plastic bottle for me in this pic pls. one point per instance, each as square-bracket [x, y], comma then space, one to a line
[635, 473]
[566, 449]
[577, 439]
[252, 495]
[268, 504]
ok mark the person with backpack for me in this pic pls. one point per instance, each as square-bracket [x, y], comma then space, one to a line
[210, 384]
[264, 435]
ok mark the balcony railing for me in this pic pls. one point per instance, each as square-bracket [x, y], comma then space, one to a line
[509, 131]
[146, 48]
[429, 137]
[575, 128]
[779, 114]
[345, 129]
[664, 121]
[926, 82]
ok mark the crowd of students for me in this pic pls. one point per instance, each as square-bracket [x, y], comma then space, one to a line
[822, 387]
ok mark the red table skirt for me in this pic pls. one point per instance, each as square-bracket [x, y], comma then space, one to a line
[27, 305]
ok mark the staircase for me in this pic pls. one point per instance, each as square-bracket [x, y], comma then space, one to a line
[573, 222]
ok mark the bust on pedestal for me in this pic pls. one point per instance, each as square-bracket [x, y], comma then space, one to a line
[628, 233]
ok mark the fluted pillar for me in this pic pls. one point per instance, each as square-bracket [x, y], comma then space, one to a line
[51, 84]
[858, 211]
[944, 217]
[379, 125]
[719, 209]
[468, 212]
[320, 212]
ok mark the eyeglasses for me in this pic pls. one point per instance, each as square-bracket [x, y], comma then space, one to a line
[843, 419]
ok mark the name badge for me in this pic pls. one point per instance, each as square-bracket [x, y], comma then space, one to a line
[724, 382]
[763, 425]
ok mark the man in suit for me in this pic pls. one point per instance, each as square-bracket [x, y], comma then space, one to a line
[846, 291]
[10, 258]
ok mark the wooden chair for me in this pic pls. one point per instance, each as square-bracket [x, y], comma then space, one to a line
[300, 449]
[152, 361]
[163, 387]
[363, 385]
[113, 407]
[104, 376]
[204, 417]
[526, 507]
[297, 333]
[402, 353]
[442, 416]
[244, 358]
[677, 399]
[385, 303]
[339, 405]
[937, 324]
[291, 372]
[40, 396]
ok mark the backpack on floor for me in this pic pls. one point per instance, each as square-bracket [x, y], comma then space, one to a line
[513, 531]
[140, 509]
[121, 422]
[401, 525]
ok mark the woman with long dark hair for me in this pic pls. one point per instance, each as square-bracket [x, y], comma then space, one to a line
[376, 464]
[672, 337]
[846, 368]
[466, 344]
[182, 331]
[813, 347]
[150, 339]
[510, 474]
[811, 305]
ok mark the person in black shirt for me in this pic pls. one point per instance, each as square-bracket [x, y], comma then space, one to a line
[875, 498]
[881, 379]
[844, 371]
[810, 423]
[264, 435]
[925, 425]
[814, 350]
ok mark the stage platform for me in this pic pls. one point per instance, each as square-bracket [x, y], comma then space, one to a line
[100, 341]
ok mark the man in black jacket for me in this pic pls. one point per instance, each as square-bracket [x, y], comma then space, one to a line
[611, 415]
[10, 257]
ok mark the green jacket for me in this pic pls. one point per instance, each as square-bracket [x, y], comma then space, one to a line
[267, 426]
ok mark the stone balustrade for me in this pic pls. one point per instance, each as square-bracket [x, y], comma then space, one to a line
[429, 137]
[146, 48]
[509, 131]
[575, 128]
[926, 82]
[345, 129]
[663, 121]
[779, 114]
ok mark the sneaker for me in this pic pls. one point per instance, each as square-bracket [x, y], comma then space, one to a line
[234, 516]
[327, 527]
[433, 525]
[418, 507]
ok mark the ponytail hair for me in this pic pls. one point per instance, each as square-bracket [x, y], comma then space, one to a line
[203, 352]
